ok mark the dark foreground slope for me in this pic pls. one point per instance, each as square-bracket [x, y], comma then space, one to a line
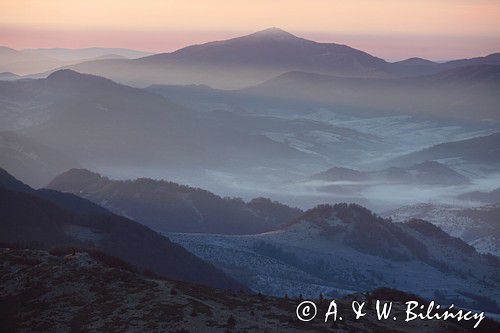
[44, 219]
[42, 292]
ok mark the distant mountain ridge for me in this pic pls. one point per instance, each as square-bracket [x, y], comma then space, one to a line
[484, 150]
[170, 207]
[239, 62]
[81, 54]
[33, 61]
[8, 76]
[23, 63]
[425, 173]
[248, 60]
[488, 197]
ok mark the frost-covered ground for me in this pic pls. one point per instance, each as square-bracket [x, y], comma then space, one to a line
[402, 134]
[42, 292]
[456, 221]
[302, 259]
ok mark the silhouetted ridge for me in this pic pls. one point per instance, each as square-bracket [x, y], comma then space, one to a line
[9, 182]
[415, 61]
[70, 79]
[69, 74]
[347, 213]
[170, 207]
[74, 178]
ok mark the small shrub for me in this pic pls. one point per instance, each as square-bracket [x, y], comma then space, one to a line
[231, 322]
[61, 251]
[111, 261]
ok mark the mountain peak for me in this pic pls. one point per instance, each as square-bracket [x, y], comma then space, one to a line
[273, 33]
[415, 61]
[69, 77]
[74, 177]
[63, 73]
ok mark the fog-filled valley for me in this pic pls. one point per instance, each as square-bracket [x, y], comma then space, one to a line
[268, 163]
[238, 145]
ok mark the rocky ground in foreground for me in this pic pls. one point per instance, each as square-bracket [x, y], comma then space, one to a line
[44, 292]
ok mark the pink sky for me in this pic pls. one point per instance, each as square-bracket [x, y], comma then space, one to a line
[391, 29]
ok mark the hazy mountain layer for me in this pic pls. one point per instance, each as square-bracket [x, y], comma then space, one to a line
[65, 54]
[33, 61]
[97, 121]
[490, 197]
[239, 62]
[34, 163]
[22, 63]
[448, 95]
[481, 151]
[251, 59]
[8, 76]
[426, 173]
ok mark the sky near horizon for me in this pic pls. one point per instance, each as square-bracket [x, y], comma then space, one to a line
[391, 29]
